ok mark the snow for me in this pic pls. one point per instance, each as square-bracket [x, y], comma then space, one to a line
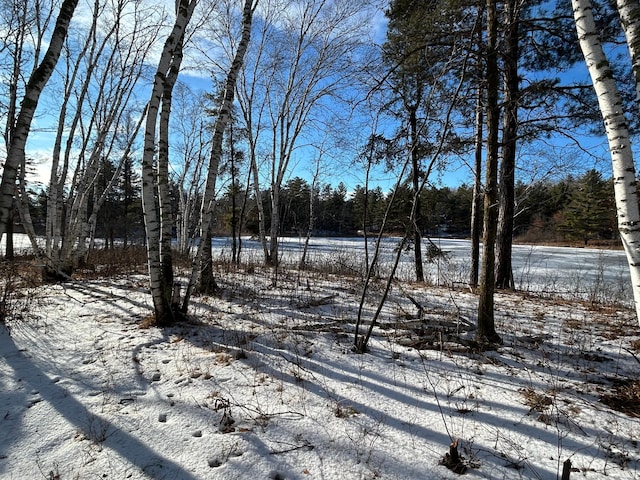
[576, 273]
[263, 384]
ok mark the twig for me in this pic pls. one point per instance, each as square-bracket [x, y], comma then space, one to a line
[306, 445]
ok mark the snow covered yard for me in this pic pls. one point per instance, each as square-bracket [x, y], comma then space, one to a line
[263, 384]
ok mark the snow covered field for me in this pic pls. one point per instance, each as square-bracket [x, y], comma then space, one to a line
[263, 384]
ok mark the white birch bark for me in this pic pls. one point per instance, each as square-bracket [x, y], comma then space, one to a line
[629, 11]
[617, 133]
[222, 120]
[161, 292]
[37, 82]
[55, 199]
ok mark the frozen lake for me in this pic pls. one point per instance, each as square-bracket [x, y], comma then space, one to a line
[573, 273]
[580, 273]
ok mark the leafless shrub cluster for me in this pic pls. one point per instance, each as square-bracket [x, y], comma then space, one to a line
[106, 262]
[17, 292]
[625, 397]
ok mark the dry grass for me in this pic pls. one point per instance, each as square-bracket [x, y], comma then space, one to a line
[536, 401]
[625, 397]
[18, 279]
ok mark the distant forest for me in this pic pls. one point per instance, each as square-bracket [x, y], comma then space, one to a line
[576, 210]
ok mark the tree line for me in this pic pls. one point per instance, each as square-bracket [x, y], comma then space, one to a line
[452, 82]
[576, 210]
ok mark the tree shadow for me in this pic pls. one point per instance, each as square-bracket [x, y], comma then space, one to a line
[127, 446]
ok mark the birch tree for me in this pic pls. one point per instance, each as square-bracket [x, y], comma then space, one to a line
[305, 58]
[616, 128]
[21, 40]
[104, 65]
[158, 259]
[222, 120]
[21, 129]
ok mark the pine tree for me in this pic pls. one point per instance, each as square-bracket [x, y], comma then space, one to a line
[590, 213]
[419, 44]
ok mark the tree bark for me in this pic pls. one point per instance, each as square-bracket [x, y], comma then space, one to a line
[222, 120]
[486, 326]
[504, 270]
[35, 85]
[615, 122]
[162, 172]
[161, 289]
[207, 283]
[415, 177]
[476, 202]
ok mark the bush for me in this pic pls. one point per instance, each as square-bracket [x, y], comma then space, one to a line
[17, 282]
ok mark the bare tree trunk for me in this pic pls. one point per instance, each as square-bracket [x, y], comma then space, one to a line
[36, 84]
[161, 289]
[162, 169]
[476, 201]
[415, 177]
[207, 283]
[616, 126]
[274, 231]
[312, 213]
[262, 228]
[486, 327]
[243, 209]
[222, 120]
[504, 269]
[235, 234]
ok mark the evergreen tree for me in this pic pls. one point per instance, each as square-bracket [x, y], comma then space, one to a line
[590, 213]
[420, 42]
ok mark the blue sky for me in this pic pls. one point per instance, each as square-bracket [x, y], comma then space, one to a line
[341, 168]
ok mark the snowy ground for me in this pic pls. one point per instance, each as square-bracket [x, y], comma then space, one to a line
[263, 384]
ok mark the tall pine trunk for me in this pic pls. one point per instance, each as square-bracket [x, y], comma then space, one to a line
[415, 177]
[476, 201]
[486, 326]
[504, 269]
[615, 122]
